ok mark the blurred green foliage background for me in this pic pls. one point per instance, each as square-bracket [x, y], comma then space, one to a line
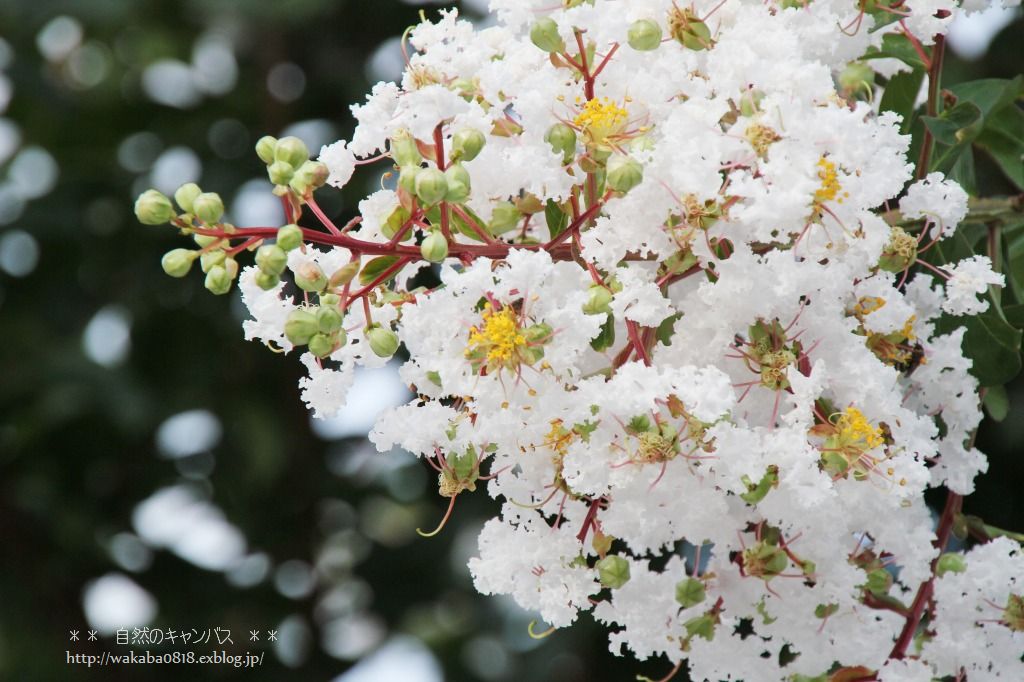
[238, 514]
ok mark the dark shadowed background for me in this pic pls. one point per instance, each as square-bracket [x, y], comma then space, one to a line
[156, 469]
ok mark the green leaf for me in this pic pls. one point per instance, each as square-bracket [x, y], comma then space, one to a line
[989, 95]
[992, 344]
[606, 338]
[375, 267]
[963, 172]
[954, 126]
[997, 403]
[897, 46]
[689, 592]
[1003, 140]
[666, 328]
[463, 228]
[556, 218]
[900, 94]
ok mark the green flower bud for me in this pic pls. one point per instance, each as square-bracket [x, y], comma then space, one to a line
[266, 280]
[231, 265]
[292, 151]
[330, 299]
[644, 35]
[343, 275]
[310, 175]
[329, 318]
[434, 247]
[599, 300]
[689, 592]
[624, 173]
[383, 342]
[280, 173]
[457, 178]
[300, 327]
[544, 34]
[204, 240]
[407, 178]
[186, 194]
[218, 280]
[431, 186]
[210, 259]
[321, 345]
[340, 337]
[504, 218]
[289, 237]
[613, 571]
[265, 147]
[271, 258]
[310, 277]
[467, 143]
[951, 562]
[208, 207]
[404, 150]
[177, 262]
[562, 139]
[153, 208]
[687, 28]
[856, 77]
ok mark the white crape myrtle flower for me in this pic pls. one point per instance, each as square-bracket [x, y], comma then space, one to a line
[942, 202]
[640, 258]
[969, 279]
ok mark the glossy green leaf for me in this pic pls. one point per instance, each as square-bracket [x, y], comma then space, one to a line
[900, 94]
[375, 267]
[556, 218]
[997, 403]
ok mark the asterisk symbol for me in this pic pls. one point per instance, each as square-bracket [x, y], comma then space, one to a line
[74, 635]
[272, 635]
[92, 635]
[254, 635]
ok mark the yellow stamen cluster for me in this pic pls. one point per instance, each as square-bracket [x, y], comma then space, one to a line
[830, 186]
[867, 305]
[761, 137]
[855, 429]
[600, 119]
[499, 336]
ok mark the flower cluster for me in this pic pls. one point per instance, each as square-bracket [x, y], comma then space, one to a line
[674, 335]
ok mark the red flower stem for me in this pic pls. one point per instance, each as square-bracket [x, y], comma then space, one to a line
[322, 217]
[934, 72]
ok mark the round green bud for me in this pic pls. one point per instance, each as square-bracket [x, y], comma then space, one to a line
[208, 207]
[292, 151]
[689, 592]
[328, 318]
[404, 150]
[599, 300]
[330, 299]
[562, 139]
[383, 342]
[467, 143]
[407, 178]
[177, 262]
[265, 147]
[505, 217]
[186, 194]
[340, 338]
[204, 240]
[289, 237]
[321, 345]
[231, 265]
[687, 28]
[458, 183]
[644, 35]
[210, 259]
[857, 76]
[271, 258]
[310, 175]
[300, 327]
[266, 280]
[951, 562]
[218, 280]
[613, 571]
[624, 173]
[310, 277]
[431, 186]
[280, 173]
[434, 247]
[544, 34]
[153, 208]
